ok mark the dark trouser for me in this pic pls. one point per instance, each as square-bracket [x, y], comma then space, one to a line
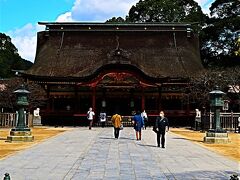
[116, 132]
[162, 134]
[103, 124]
[90, 124]
[145, 124]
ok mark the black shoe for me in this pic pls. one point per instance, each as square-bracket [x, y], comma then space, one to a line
[163, 146]
[158, 145]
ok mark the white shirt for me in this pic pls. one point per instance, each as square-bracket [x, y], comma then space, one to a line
[90, 115]
[144, 114]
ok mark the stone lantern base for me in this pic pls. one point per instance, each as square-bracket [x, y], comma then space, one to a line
[20, 134]
[216, 137]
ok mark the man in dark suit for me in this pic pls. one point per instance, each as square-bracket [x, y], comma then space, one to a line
[161, 126]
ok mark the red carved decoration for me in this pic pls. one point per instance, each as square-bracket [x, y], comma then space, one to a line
[116, 77]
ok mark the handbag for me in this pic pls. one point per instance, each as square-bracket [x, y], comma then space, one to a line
[121, 127]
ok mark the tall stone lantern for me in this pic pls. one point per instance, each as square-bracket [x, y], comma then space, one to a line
[21, 132]
[217, 134]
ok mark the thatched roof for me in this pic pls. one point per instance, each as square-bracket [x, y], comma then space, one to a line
[81, 50]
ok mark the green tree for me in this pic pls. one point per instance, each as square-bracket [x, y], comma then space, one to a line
[219, 37]
[116, 20]
[221, 9]
[9, 58]
[166, 11]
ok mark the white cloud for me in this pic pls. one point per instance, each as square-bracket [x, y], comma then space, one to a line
[100, 10]
[66, 17]
[25, 40]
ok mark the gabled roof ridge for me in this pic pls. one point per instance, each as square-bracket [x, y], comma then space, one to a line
[119, 23]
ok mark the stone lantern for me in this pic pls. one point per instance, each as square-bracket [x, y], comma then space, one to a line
[21, 132]
[217, 134]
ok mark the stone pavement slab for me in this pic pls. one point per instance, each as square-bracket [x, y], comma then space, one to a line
[94, 154]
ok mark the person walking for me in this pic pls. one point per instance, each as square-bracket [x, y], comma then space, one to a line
[102, 118]
[117, 122]
[90, 116]
[161, 126]
[145, 118]
[138, 124]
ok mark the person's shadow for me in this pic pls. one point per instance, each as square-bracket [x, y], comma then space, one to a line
[126, 138]
[148, 145]
[106, 138]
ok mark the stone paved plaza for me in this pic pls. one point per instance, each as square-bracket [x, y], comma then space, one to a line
[94, 154]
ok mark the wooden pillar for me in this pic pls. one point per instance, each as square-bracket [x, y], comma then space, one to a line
[49, 103]
[159, 98]
[132, 103]
[52, 104]
[188, 106]
[143, 100]
[76, 102]
[94, 98]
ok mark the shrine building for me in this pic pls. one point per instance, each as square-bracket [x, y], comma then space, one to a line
[118, 68]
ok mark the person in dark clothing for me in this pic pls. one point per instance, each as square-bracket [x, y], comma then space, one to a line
[161, 127]
[138, 125]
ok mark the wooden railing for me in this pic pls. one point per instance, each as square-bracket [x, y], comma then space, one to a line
[10, 120]
[229, 121]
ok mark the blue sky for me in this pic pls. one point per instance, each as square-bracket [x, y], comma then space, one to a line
[19, 18]
[16, 13]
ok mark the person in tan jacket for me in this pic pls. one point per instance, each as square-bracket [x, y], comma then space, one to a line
[116, 121]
